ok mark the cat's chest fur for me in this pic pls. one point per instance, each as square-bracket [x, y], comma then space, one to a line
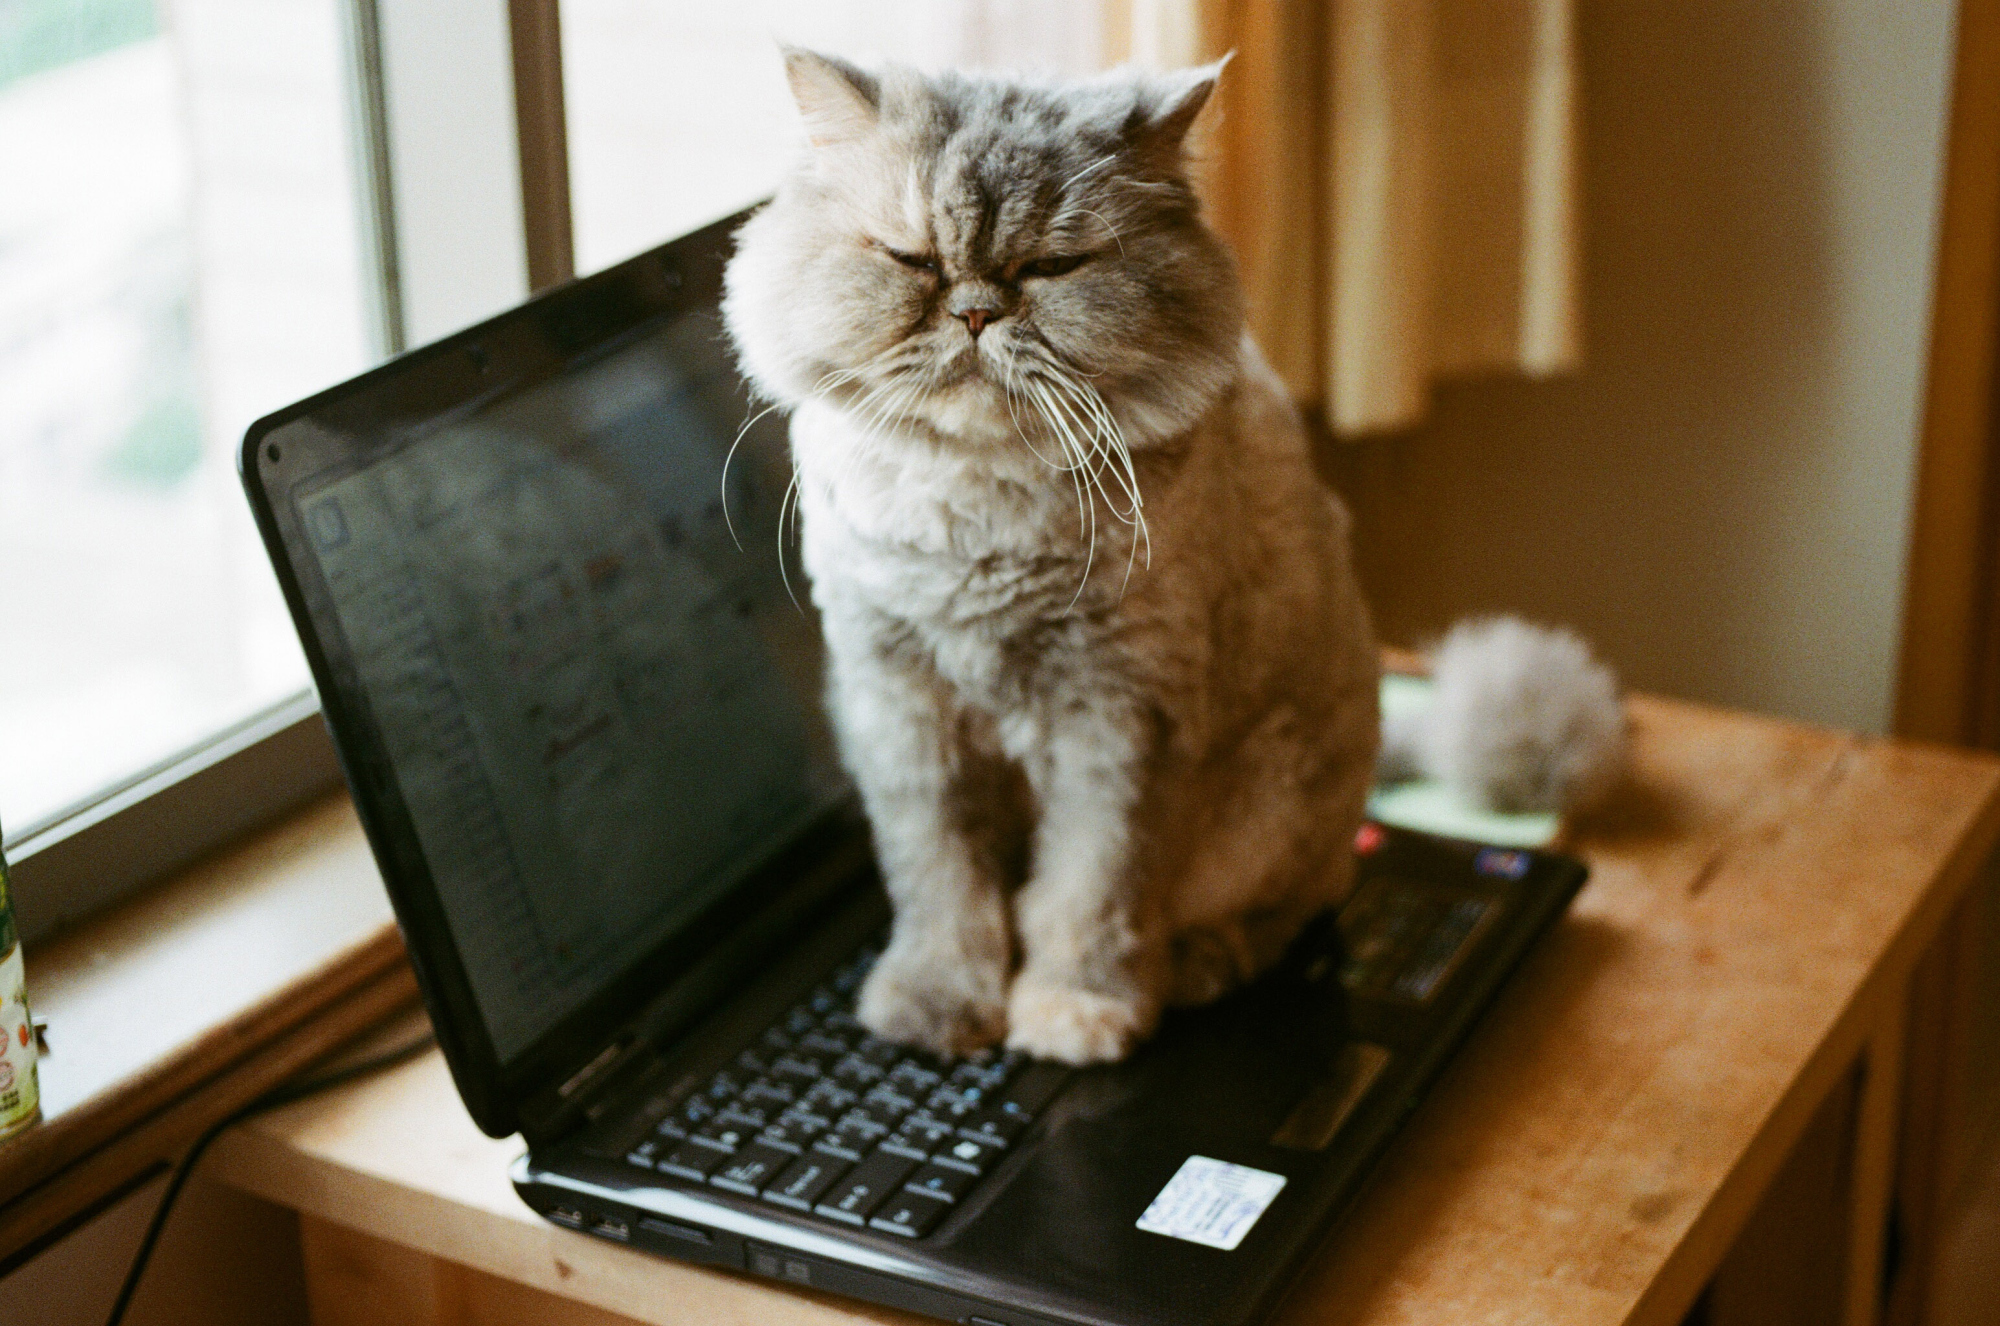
[987, 562]
[975, 541]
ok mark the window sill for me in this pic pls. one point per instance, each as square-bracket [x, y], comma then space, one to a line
[189, 999]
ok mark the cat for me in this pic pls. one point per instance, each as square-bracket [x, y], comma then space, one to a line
[1097, 657]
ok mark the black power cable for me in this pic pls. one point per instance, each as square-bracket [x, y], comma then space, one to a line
[270, 1100]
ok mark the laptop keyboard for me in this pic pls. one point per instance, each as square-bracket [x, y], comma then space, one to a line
[820, 1116]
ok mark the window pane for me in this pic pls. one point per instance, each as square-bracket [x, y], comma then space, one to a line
[678, 112]
[178, 254]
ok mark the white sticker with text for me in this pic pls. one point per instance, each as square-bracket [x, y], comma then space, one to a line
[1211, 1202]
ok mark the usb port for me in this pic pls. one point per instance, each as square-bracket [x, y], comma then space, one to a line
[611, 1228]
[566, 1215]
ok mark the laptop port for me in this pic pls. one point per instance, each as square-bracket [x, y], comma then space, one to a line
[675, 1230]
[612, 1228]
[566, 1215]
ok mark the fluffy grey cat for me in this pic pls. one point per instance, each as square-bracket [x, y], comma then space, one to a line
[1098, 661]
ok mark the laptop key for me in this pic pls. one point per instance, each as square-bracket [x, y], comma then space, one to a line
[955, 1105]
[813, 1107]
[883, 1054]
[805, 1181]
[888, 1098]
[774, 1041]
[913, 1079]
[747, 1115]
[994, 1125]
[826, 1045]
[852, 1140]
[644, 1154]
[862, 1190]
[793, 1132]
[828, 1097]
[909, 1214]
[754, 1167]
[986, 1077]
[692, 1160]
[722, 1135]
[877, 1113]
[856, 1073]
[935, 1180]
[925, 1135]
[795, 1072]
[968, 1154]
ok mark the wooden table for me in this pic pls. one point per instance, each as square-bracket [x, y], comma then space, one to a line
[1759, 900]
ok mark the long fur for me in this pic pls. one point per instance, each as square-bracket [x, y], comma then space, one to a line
[1097, 658]
[1522, 718]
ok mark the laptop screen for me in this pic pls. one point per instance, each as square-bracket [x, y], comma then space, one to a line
[581, 654]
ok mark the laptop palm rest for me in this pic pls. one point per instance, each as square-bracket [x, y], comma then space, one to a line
[1218, 1083]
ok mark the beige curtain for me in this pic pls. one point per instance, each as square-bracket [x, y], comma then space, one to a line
[1398, 178]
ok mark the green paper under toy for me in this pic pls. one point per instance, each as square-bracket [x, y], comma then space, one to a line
[1427, 805]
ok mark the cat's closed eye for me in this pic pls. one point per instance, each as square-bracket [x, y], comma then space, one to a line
[922, 262]
[1057, 266]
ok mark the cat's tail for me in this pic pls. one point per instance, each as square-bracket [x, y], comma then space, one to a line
[1521, 718]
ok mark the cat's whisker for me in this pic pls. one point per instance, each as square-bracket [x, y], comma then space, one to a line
[1088, 444]
[878, 402]
[898, 408]
[1079, 478]
[1062, 420]
[1116, 438]
[789, 500]
[1107, 443]
[1074, 463]
[1089, 457]
[1058, 363]
[1096, 165]
[1112, 435]
[748, 424]
[1110, 438]
[1116, 238]
[838, 378]
[1042, 398]
[1007, 394]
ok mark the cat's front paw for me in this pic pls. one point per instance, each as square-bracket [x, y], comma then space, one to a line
[1074, 1025]
[944, 1007]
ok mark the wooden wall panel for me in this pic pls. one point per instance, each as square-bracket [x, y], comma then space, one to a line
[1948, 687]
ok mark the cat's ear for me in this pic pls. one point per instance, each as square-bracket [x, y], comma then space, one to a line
[1170, 104]
[839, 102]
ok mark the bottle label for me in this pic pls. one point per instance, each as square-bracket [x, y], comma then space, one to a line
[20, 1099]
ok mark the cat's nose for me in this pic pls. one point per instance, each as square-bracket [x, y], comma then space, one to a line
[977, 305]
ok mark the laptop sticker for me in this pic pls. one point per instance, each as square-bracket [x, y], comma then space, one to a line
[1211, 1202]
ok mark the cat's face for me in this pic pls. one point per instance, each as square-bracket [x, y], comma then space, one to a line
[968, 256]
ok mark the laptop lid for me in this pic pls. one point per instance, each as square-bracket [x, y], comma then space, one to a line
[538, 572]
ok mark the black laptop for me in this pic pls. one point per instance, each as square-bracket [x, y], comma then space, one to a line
[543, 575]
